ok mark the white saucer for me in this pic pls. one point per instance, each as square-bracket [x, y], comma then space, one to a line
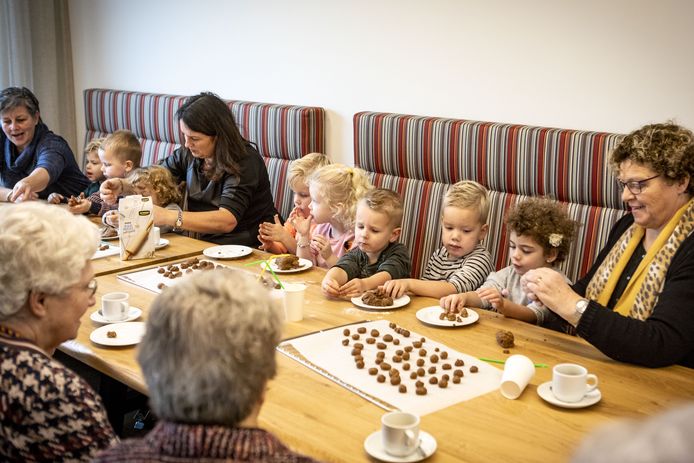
[374, 447]
[133, 314]
[544, 390]
[161, 244]
[127, 334]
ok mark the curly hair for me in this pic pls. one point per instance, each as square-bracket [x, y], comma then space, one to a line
[666, 148]
[94, 145]
[341, 187]
[546, 222]
[42, 248]
[159, 180]
[301, 169]
[468, 194]
[209, 348]
[386, 202]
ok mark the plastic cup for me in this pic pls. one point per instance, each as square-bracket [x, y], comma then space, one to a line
[294, 301]
[518, 372]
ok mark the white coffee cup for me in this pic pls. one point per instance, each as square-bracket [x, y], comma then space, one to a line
[294, 301]
[400, 433]
[115, 306]
[571, 382]
[518, 372]
[156, 231]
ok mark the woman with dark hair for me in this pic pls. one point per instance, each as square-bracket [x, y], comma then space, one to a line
[35, 162]
[227, 185]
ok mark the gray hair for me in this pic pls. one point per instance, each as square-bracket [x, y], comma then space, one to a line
[42, 248]
[209, 348]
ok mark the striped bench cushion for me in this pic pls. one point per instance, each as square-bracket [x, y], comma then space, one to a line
[421, 156]
[281, 132]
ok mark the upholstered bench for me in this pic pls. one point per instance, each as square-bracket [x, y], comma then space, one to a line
[419, 157]
[281, 132]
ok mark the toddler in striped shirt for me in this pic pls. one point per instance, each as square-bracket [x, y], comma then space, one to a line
[462, 263]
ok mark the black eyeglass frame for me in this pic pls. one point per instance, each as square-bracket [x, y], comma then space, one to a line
[636, 186]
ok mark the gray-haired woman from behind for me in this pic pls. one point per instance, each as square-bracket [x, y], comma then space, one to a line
[207, 355]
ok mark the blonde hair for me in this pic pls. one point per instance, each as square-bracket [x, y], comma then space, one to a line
[125, 146]
[467, 194]
[160, 180]
[94, 145]
[386, 202]
[341, 187]
[301, 169]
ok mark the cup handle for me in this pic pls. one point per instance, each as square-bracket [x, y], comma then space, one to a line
[591, 382]
[412, 438]
[124, 308]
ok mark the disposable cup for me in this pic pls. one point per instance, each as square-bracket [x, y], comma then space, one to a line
[518, 372]
[294, 301]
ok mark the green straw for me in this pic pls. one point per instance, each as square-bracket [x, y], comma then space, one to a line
[274, 275]
[537, 365]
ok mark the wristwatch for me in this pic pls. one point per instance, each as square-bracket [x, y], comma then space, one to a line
[179, 221]
[581, 306]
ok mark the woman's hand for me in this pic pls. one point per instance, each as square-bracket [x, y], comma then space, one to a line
[110, 218]
[549, 287]
[22, 191]
[110, 190]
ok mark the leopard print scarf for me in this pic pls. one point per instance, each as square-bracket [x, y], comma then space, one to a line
[642, 292]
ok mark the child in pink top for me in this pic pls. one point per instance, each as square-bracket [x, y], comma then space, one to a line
[335, 190]
[278, 238]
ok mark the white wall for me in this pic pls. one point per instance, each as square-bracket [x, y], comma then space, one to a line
[584, 64]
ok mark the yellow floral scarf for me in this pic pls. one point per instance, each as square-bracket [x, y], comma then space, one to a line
[641, 293]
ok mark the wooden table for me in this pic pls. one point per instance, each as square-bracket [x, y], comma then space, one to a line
[317, 417]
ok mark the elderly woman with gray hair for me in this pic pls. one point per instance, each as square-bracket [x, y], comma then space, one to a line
[47, 412]
[207, 355]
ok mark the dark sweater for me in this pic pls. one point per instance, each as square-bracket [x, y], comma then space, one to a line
[667, 336]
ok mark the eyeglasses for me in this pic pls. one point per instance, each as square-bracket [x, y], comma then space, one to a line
[92, 286]
[636, 186]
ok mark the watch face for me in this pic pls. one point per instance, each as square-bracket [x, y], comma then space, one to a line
[581, 306]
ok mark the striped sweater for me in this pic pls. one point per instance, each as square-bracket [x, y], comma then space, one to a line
[466, 273]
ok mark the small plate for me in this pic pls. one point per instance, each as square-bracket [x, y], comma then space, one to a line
[544, 390]
[109, 238]
[430, 316]
[304, 264]
[162, 243]
[374, 447]
[133, 314]
[402, 301]
[127, 334]
[227, 251]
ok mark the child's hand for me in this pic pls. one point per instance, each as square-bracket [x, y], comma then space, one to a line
[55, 198]
[453, 301]
[330, 287]
[352, 288]
[274, 231]
[493, 296]
[81, 207]
[264, 245]
[396, 288]
[320, 245]
[301, 224]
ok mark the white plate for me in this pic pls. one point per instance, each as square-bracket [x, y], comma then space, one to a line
[374, 447]
[402, 301]
[127, 334]
[109, 238]
[112, 250]
[162, 243]
[133, 314]
[228, 251]
[544, 390]
[304, 264]
[430, 316]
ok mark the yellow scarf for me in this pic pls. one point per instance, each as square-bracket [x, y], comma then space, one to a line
[642, 291]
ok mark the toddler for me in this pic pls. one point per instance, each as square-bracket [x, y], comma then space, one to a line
[335, 190]
[462, 263]
[540, 233]
[376, 256]
[278, 238]
[92, 170]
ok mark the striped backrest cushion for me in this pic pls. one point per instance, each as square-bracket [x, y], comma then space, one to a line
[281, 132]
[422, 156]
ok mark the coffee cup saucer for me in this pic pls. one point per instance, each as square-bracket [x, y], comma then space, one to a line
[374, 447]
[544, 390]
[133, 314]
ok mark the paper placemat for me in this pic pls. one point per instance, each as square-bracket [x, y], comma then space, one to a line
[325, 353]
[152, 279]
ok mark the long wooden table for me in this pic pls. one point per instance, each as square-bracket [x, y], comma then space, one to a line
[320, 418]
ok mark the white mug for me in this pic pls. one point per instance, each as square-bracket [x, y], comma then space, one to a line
[156, 231]
[571, 382]
[115, 306]
[400, 433]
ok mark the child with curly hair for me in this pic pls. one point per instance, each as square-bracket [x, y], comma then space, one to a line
[278, 238]
[335, 191]
[540, 236]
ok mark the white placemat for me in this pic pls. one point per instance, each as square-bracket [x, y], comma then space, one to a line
[324, 353]
[152, 278]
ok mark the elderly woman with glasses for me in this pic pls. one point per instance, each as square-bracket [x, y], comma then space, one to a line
[34, 162]
[47, 412]
[635, 303]
[206, 356]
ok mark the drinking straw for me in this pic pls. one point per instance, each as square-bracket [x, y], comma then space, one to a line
[537, 365]
[268, 266]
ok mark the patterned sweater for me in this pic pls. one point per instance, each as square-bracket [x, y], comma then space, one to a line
[47, 412]
[179, 442]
